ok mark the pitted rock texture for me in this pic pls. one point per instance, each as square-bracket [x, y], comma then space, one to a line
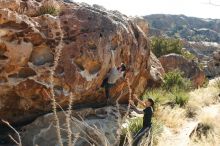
[190, 69]
[86, 35]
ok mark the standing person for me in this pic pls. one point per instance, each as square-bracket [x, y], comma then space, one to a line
[113, 76]
[148, 113]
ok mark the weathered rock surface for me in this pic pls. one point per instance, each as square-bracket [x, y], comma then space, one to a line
[85, 35]
[190, 69]
[213, 65]
[99, 127]
[206, 52]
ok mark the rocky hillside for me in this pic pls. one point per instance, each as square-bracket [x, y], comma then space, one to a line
[189, 28]
[200, 37]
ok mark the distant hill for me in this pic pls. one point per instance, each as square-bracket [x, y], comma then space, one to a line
[189, 28]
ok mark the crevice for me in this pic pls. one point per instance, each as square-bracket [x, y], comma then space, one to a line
[41, 56]
[14, 25]
[26, 72]
[3, 57]
[23, 73]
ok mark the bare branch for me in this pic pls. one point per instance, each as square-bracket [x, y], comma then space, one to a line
[19, 138]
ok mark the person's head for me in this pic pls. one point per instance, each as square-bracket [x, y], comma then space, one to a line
[122, 67]
[149, 102]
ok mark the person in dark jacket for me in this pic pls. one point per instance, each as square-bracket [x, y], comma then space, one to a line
[148, 113]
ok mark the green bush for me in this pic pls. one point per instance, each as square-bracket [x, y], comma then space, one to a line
[174, 80]
[136, 124]
[181, 98]
[163, 97]
[188, 55]
[162, 46]
[160, 96]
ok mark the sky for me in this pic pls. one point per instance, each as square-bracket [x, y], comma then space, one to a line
[195, 8]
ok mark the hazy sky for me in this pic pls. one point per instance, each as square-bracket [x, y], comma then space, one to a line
[197, 8]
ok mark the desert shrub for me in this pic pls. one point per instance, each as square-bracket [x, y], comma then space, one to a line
[188, 55]
[217, 83]
[50, 7]
[160, 96]
[207, 131]
[175, 80]
[163, 97]
[206, 83]
[181, 98]
[135, 125]
[162, 46]
[191, 111]
[203, 129]
[47, 10]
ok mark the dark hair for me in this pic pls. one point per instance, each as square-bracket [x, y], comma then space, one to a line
[123, 67]
[151, 101]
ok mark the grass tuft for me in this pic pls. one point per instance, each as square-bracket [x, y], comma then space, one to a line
[50, 7]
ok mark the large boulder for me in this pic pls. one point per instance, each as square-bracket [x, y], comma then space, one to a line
[88, 126]
[57, 56]
[190, 68]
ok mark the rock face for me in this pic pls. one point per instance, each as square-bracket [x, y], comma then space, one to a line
[99, 127]
[190, 69]
[77, 45]
[213, 65]
[206, 52]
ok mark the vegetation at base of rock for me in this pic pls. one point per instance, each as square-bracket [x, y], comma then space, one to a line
[174, 90]
[47, 9]
[134, 125]
[163, 46]
[174, 80]
[172, 98]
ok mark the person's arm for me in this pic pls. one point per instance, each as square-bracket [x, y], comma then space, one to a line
[135, 108]
[139, 101]
[113, 58]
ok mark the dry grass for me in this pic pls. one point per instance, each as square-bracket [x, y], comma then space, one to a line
[217, 83]
[204, 96]
[171, 117]
[192, 110]
[49, 7]
[208, 131]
